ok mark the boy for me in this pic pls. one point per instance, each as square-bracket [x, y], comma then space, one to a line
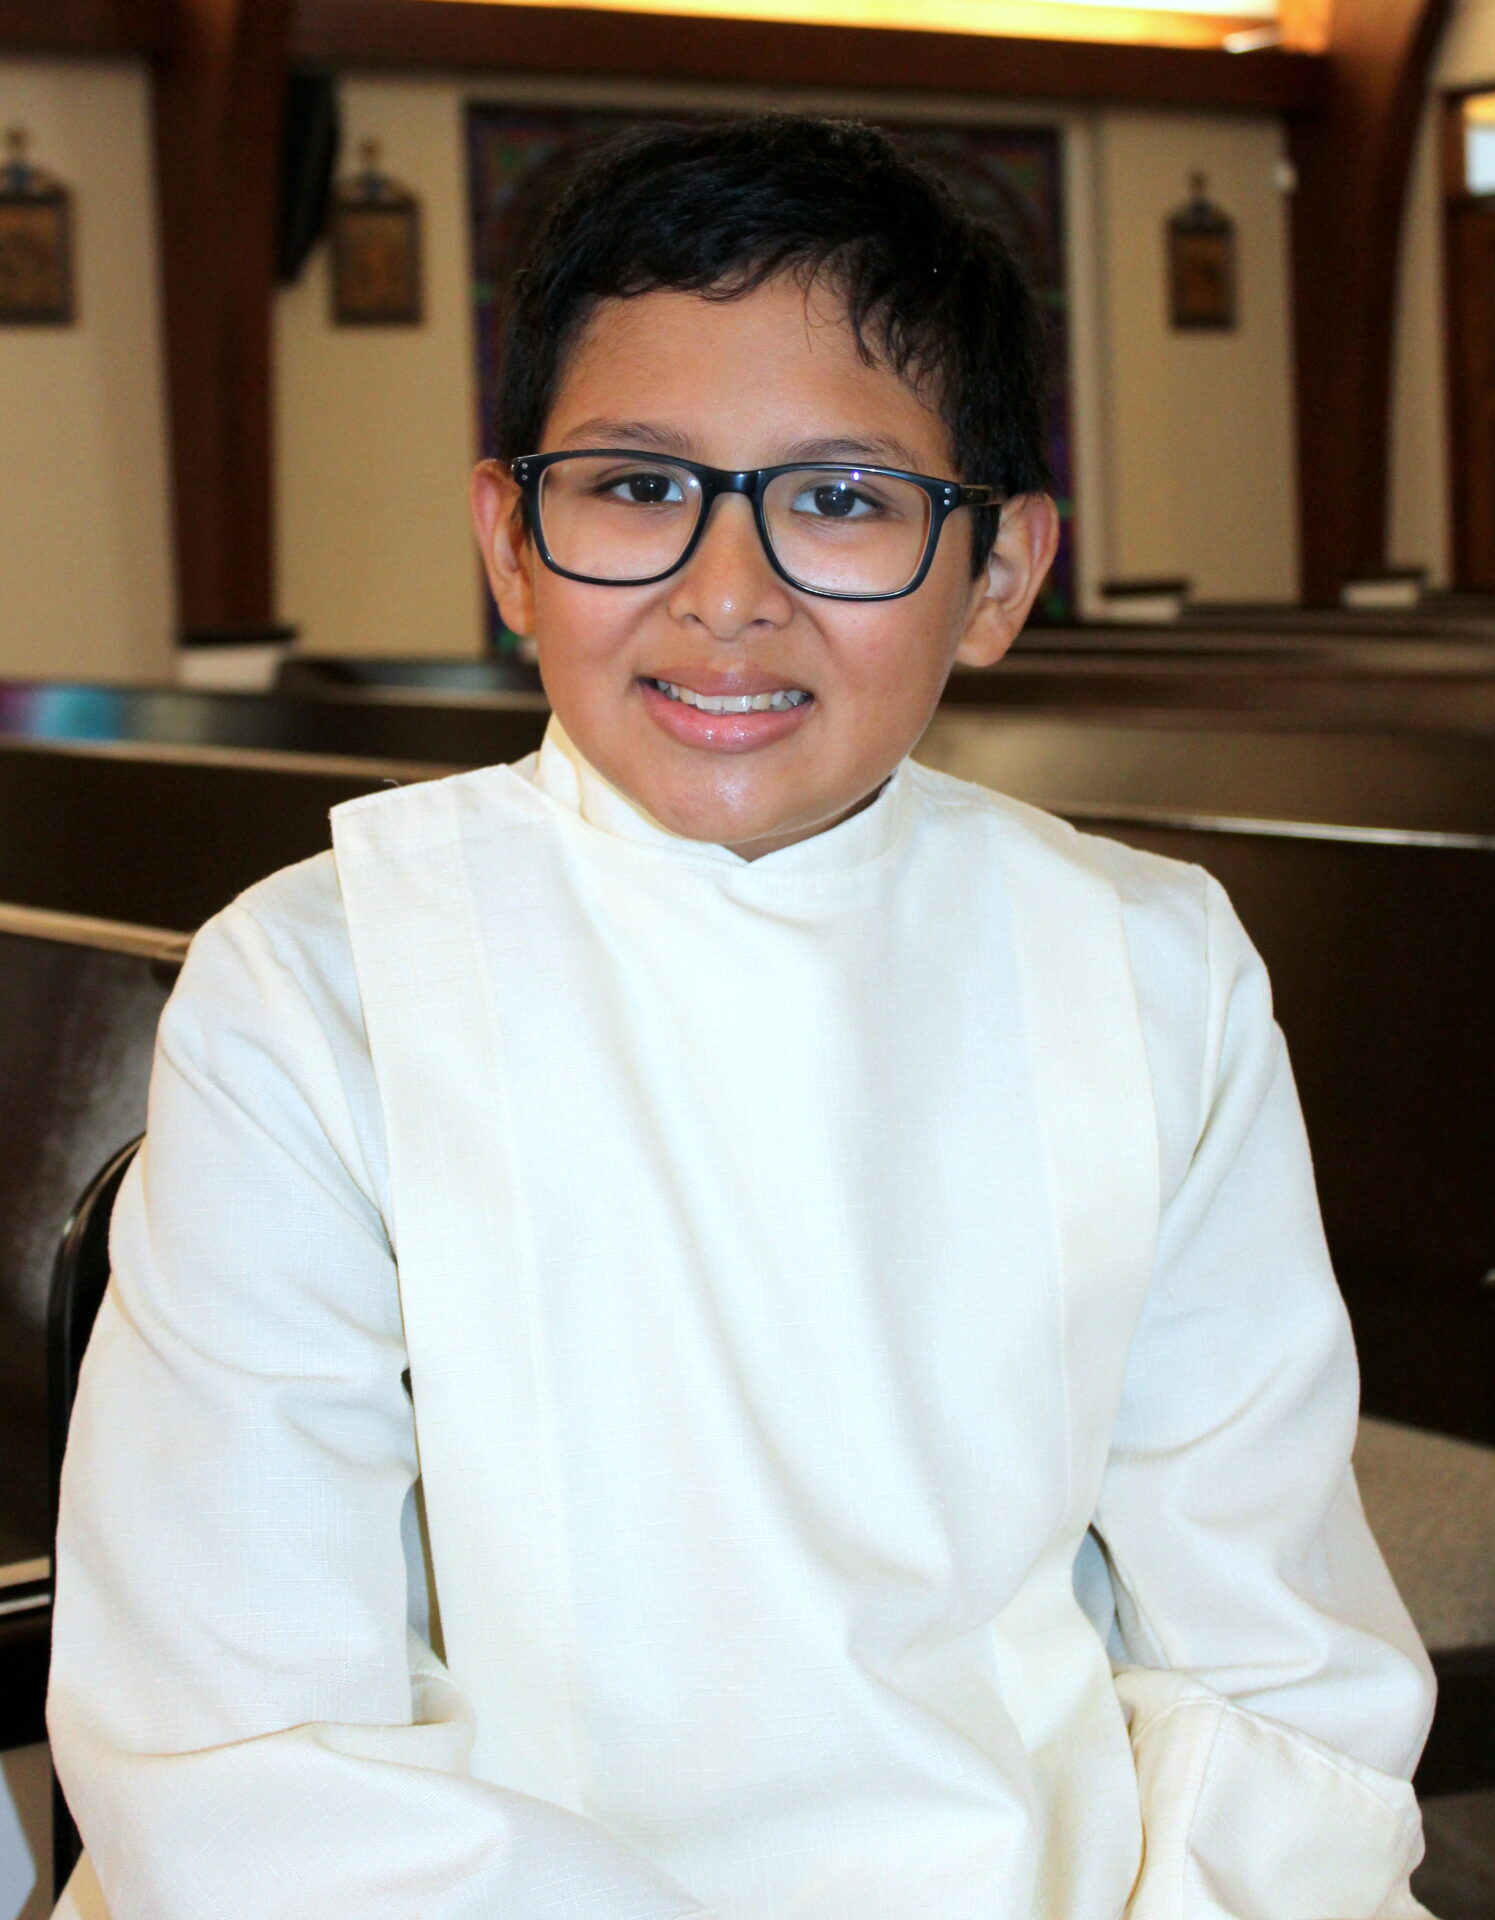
[881, 1409]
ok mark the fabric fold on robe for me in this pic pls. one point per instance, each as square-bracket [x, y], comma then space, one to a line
[1171, 1680]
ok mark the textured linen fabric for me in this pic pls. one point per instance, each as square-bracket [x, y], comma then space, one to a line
[881, 1409]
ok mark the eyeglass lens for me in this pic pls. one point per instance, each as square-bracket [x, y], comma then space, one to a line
[832, 530]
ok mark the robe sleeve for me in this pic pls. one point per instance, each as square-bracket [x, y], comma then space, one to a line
[245, 1721]
[1275, 1689]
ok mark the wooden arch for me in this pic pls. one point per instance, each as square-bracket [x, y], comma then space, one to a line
[1353, 160]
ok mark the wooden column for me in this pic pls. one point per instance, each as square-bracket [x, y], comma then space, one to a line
[1352, 162]
[219, 83]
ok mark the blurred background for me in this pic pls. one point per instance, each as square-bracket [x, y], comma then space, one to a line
[253, 254]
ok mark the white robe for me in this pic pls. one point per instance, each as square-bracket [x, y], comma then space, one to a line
[804, 1266]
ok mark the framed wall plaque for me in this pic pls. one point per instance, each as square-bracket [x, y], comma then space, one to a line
[1201, 264]
[36, 242]
[376, 252]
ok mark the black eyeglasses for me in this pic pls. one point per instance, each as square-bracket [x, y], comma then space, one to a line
[612, 517]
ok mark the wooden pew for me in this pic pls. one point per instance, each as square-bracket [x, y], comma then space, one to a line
[1390, 649]
[165, 836]
[79, 1002]
[1435, 616]
[1204, 766]
[1289, 680]
[1360, 862]
[1363, 866]
[460, 712]
[468, 727]
[331, 676]
[1339, 677]
[1368, 883]
[1364, 870]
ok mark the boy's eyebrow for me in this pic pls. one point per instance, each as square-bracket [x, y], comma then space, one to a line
[628, 433]
[875, 448]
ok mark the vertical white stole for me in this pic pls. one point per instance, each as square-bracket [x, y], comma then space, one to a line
[483, 1374]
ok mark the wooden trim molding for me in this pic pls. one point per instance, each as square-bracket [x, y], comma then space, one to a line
[458, 35]
[100, 27]
[1353, 162]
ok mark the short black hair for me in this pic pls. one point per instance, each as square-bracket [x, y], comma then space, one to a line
[720, 207]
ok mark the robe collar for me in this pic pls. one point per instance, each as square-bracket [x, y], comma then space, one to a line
[566, 777]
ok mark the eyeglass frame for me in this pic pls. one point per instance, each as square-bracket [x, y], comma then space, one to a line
[945, 497]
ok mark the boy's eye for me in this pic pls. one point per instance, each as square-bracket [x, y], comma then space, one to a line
[834, 500]
[645, 488]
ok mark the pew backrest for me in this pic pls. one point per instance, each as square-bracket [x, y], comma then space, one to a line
[450, 728]
[1363, 866]
[1378, 937]
[165, 836]
[79, 1003]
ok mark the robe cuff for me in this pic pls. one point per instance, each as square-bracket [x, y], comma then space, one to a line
[337, 1821]
[1244, 1818]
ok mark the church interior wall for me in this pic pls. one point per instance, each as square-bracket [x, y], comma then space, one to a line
[1184, 457]
[1200, 476]
[85, 542]
[376, 427]
[1420, 529]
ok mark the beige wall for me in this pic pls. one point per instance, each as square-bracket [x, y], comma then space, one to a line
[376, 427]
[1199, 476]
[1418, 524]
[85, 574]
[1420, 533]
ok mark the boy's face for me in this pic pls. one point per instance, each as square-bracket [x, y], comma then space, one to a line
[772, 377]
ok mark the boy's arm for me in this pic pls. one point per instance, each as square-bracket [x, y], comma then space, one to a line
[1277, 1694]
[242, 1721]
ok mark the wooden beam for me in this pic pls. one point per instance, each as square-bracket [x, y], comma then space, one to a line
[218, 98]
[1305, 24]
[1353, 162]
[103, 27]
[460, 35]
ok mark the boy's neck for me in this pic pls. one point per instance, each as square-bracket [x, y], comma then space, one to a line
[567, 775]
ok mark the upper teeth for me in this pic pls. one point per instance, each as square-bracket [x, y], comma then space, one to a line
[735, 702]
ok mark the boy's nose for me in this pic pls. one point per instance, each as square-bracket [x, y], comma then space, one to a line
[728, 585]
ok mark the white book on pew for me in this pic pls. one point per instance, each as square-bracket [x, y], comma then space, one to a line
[25, 1586]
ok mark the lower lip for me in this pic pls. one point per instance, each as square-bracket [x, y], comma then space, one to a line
[722, 732]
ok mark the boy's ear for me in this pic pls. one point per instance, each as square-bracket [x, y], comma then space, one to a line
[1027, 540]
[505, 546]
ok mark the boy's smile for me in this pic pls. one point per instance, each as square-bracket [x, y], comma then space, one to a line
[731, 706]
[726, 712]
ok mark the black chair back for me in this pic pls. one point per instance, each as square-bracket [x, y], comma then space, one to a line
[80, 1277]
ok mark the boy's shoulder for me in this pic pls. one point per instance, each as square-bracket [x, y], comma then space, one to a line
[299, 909]
[1140, 879]
[1187, 951]
[286, 934]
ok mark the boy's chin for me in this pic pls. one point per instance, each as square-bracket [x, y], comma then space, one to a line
[751, 830]
[722, 823]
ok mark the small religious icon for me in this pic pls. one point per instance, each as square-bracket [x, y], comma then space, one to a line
[376, 267]
[1201, 263]
[36, 241]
